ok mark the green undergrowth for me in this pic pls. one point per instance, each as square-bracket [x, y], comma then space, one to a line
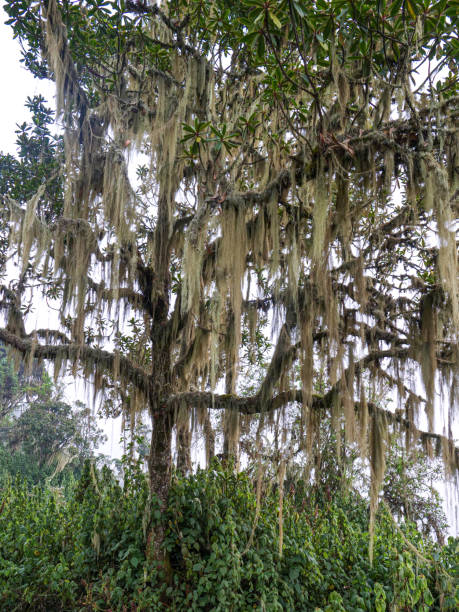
[84, 548]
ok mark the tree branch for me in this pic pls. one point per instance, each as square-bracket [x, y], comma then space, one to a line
[105, 360]
[320, 403]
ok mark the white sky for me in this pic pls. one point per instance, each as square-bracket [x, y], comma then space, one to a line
[18, 84]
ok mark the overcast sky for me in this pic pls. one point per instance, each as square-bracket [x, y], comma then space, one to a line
[18, 83]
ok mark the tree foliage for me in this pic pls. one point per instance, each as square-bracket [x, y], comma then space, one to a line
[41, 436]
[301, 169]
[39, 155]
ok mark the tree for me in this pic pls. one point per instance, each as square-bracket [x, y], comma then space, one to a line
[8, 385]
[18, 388]
[408, 488]
[40, 434]
[300, 167]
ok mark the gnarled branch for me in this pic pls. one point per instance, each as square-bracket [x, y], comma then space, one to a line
[80, 352]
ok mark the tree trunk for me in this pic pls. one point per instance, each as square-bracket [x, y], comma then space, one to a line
[159, 466]
[231, 437]
[209, 435]
[184, 448]
[160, 460]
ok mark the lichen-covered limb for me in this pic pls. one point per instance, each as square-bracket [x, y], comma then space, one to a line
[51, 335]
[322, 403]
[282, 358]
[276, 186]
[175, 28]
[102, 360]
[392, 134]
[110, 294]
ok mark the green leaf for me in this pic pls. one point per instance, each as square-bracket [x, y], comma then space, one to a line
[299, 9]
[411, 6]
[275, 20]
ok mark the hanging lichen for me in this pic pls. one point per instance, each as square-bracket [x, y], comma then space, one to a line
[378, 444]
[428, 358]
[321, 200]
[447, 252]
[27, 231]
[343, 215]
[363, 422]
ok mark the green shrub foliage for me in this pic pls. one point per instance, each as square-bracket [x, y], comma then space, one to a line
[86, 548]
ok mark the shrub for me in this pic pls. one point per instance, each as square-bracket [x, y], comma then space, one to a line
[85, 549]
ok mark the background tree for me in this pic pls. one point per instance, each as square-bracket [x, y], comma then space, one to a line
[8, 385]
[408, 488]
[40, 434]
[301, 162]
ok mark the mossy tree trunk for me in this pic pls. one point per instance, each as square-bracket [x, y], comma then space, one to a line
[159, 466]
[160, 460]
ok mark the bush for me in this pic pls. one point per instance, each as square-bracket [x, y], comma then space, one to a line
[85, 549]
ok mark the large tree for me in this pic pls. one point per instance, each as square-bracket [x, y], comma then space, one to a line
[298, 171]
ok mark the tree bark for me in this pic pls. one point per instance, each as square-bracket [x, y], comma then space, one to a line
[231, 417]
[159, 467]
[184, 448]
[209, 435]
[160, 460]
